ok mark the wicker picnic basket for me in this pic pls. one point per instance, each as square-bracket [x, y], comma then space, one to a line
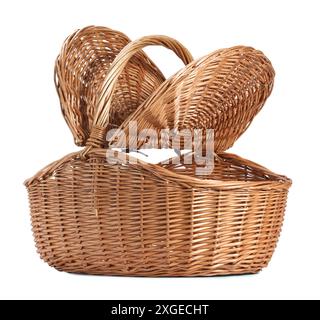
[101, 213]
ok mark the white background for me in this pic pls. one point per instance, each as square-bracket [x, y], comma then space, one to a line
[284, 136]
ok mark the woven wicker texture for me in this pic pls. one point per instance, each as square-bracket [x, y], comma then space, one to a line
[223, 91]
[91, 216]
[81, 68]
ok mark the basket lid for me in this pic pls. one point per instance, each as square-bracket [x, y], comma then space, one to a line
[222, 91]
[81, 68]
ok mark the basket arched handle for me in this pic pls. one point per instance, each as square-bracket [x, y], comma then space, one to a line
[101, 119]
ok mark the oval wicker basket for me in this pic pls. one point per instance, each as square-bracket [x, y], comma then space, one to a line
[92, 216]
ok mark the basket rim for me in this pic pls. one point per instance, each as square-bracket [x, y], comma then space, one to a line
[276, 181]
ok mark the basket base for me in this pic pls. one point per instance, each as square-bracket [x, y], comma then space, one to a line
[147, 275]
[205, 272]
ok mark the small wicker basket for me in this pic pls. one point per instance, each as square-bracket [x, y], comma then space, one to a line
[92, 216]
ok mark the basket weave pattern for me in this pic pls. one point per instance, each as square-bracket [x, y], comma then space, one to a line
[223, 91]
